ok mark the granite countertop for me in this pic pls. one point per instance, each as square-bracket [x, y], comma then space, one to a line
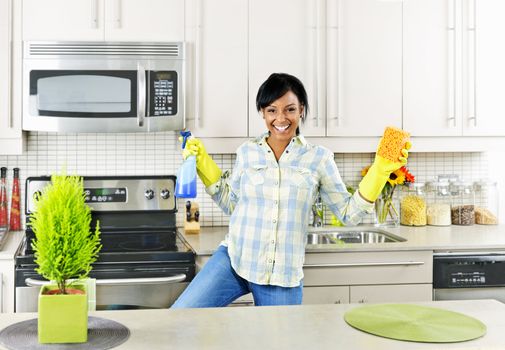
[436, 238]
[278, 327]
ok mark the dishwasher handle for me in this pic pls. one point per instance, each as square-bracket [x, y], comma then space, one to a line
[119, 281]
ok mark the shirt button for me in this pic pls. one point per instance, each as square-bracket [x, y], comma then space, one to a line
[270, 260]
[273, 241]
[274, 221]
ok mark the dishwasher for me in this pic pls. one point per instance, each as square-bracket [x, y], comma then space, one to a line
[469, 275]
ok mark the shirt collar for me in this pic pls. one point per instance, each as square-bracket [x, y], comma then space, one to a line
[298, 139]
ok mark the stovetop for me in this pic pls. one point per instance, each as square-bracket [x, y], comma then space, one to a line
[154, 250]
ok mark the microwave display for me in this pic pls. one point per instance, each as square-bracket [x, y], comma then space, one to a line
[163, 89]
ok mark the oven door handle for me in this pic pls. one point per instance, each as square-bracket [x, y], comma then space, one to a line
[118, 281]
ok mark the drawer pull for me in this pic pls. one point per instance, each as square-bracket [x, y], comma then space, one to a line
[400, 263]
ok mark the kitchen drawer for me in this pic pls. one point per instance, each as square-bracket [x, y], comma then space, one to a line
[326, 295]
[349, 268]
[393, 293]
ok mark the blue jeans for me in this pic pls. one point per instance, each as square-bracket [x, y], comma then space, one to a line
[218, 285]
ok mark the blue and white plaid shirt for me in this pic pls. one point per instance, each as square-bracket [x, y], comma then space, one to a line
[270, 204]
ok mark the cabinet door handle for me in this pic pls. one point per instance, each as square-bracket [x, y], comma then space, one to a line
[9, 63]
[94, 13]
[333, 41]
[198, 55]
[395, 263]
[117, 19]
[314, 8]
[471, 36]
[451, 63]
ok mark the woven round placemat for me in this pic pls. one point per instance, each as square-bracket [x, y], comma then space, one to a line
[102, 334]
[415, 323]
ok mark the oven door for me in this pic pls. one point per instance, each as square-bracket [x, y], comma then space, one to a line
[132, 286]
[79, 88]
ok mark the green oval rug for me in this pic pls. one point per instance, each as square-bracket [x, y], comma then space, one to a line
[415, 323]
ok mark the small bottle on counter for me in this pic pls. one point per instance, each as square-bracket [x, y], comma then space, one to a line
[486, 202]
[3, 198]
[413, 205]
[438, 207]
[15, 219]
[463, 203]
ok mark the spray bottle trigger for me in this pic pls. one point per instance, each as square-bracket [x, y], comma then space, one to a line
[185, 135]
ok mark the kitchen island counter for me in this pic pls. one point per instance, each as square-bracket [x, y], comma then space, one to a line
[279, 327]
[436, 238]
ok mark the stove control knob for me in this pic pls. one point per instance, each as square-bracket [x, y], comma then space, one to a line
[165, 194]
[149, 194]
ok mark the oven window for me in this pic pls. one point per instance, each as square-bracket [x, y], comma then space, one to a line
[83, 93]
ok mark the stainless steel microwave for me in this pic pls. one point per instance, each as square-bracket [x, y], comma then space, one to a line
[103, 86]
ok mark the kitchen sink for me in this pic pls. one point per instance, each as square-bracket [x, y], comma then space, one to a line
[361, 236]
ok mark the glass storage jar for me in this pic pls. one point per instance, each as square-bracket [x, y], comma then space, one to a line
[438, 206]
[486, 202]
[413, 205]
[462, 203]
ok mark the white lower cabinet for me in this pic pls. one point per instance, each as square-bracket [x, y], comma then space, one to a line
[368, 277]
[326, 295]
[361, 277]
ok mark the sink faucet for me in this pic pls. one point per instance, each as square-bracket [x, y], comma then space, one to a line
[317, 213]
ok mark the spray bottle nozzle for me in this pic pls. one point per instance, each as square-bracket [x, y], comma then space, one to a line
[185, 135]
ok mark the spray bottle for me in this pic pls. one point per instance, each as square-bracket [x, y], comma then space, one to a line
[185, 185]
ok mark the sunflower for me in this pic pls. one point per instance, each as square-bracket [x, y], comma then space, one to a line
[397, 177]
[364, 171]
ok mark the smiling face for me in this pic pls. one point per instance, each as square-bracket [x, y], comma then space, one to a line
[282, 118]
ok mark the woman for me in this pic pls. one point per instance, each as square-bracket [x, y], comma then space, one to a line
[269, 195]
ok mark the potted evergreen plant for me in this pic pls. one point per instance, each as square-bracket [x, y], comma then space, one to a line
[65, 248]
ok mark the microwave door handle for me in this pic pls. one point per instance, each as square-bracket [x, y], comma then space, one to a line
[141, 95]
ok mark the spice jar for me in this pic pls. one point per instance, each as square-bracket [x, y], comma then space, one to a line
[438, 207]
[413, 205]
[486, 202]
[463, 203]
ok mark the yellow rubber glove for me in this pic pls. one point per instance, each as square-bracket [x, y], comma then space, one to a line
[207, 169]
[376, 177]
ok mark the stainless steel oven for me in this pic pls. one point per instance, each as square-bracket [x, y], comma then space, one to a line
[144, 262]
[103, 86]
[469, 275]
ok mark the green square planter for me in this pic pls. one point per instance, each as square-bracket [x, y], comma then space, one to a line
[63, 318]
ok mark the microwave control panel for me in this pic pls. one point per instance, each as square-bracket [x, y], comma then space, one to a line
[163, 92]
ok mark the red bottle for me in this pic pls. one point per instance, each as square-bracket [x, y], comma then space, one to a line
[15, 220]
[3, 197]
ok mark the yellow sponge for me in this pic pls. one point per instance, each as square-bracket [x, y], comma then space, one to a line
[392, 143]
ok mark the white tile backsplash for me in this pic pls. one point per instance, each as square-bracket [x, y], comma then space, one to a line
[158, 153]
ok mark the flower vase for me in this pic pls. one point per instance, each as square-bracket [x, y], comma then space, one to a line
[385, 212]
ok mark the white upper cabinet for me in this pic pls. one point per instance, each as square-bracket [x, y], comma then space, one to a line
[453, 67]
[146, 20]
[363, 67]
[348, 54]
[217, 52]
[484, 68]
[11, 137]
[97, 20]
[285, 37]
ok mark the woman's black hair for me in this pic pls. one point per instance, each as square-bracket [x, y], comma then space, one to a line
[276, 86]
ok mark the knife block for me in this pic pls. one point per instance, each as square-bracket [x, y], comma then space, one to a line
[191, 222]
